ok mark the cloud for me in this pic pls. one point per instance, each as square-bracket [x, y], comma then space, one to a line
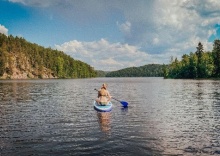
[3, 30]
[157, 27]
[168, 25]
[180, 27]
[36, 3]
[107, 56]
[125, 28]
[82, 11]
[205, 8]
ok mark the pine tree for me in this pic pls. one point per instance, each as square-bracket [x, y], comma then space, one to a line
[216, 56]
[199, 54]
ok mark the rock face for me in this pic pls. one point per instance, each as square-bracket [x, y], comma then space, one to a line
[20, 59]
[17, 68]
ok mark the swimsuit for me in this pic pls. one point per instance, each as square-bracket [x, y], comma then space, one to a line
[103, 103]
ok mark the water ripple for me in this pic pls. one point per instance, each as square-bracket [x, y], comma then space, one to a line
[56, 117]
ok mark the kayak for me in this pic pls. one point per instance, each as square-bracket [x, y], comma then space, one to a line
[101, 108]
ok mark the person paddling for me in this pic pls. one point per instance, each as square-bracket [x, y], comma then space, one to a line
[103, 95]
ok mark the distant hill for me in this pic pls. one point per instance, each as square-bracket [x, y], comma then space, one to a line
[20, 59]
[101, 73]
[150, 70]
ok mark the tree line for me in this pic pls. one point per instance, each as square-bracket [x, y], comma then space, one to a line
[150, 70]
[199, 64]
[40, 58]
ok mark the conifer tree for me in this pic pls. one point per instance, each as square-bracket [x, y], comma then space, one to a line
[216, 57]
[199, 54]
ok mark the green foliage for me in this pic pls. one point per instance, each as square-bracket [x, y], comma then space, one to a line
[216, 57]
[196, 65]
[101, 73]
[150, 70]
[200, 66]
[40, 59]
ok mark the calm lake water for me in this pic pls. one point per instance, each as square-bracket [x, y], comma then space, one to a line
[56, 117]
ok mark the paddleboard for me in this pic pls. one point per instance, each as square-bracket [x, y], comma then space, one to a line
[101, 108]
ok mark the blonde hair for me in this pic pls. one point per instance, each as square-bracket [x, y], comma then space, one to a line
[104, 85]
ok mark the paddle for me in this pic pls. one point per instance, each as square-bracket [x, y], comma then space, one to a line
[124, 103]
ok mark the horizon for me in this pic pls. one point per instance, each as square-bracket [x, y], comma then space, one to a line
[113, 35]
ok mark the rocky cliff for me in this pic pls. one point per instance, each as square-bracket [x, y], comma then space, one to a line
[20, 59]
[18, 68]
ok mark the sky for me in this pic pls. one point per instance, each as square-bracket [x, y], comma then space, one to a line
[115, 34]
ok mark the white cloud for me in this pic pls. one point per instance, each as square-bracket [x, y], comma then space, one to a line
[36, 3]
[156, 40]
[159, 27]
[125, 28]
[180, 25]
[168, 24]
[104, 55]
[3, 30]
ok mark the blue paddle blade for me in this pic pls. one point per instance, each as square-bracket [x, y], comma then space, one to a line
[124, 103]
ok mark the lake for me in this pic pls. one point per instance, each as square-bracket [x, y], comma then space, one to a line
[56, 117]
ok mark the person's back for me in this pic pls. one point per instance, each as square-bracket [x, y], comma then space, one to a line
[102, 92]
[103, 95]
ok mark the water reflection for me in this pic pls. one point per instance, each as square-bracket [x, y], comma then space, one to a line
[16, 91]
[191, 119]
[104, 121]
[165, 117]
[124, 109]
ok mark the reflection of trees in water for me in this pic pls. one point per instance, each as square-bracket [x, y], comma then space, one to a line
[203, 117]
[15, 91]
[104, 121]
[216, 106]
[200, 90]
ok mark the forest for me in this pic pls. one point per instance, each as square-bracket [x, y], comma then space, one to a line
[199, 64]
[36, 61]
[149, 70]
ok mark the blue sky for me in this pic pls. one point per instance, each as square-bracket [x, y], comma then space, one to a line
[114, 34]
